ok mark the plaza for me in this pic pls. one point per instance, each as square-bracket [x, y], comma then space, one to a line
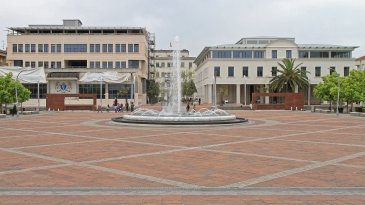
[278, 157]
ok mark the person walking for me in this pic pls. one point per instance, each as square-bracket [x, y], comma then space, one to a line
[132, 106]
[199, 101]
[187, 107]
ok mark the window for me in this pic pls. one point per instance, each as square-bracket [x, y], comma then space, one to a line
[46, 64]
[40, 48]
[332, 69]
[190, 64]
[217, 71]
[105, 48]
[303, 69]
[133, 64]
[340, 54]
[258, 54]
[245, 71]
[303, 54]
[260, 71]
[45, 48]
[318, 71]
[274, 54]
[104, 64]
[110, 64]
[92, 64]
[97, 64]
[92, 48]
[53, 64]
[75, 48]
[222, 54]
[133, 48]
[58, 48]
[20, 48]
[92, 89]
[113, 90]
[162, 65]
[27, 64]
[274, 71]
[242, 54]
[33, 88]
[27, 48]
[288, 54]
[40, 64]
[157, 65]
[32, 48]
[97, 48]
[346, 71]
[32, 64]
[110, 48]
[319, 54]
[123, 48]
[230, 71]
[58, 64]
[169, 64]
[182, 64]
[53, 48]
[15, 48]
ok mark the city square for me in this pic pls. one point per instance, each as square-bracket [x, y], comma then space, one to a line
[278, 157]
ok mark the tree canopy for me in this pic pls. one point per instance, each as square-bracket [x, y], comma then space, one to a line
[289, 76]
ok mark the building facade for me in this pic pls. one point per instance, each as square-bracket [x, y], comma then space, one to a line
[162, 61]
[248, 66]
[70, 50]
[2, 58]
[360, 63]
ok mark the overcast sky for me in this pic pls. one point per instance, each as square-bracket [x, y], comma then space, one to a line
[201, 23]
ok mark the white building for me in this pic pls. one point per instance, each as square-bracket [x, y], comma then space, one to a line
[360, 63]
[162, 61]
[248, 66]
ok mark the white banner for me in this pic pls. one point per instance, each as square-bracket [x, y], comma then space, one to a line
[25, 75]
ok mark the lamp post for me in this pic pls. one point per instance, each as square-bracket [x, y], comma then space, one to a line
[245, 96]
[16, 91]
[215, 90]
[101, 92]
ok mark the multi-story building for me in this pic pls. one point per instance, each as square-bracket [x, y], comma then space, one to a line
[2, 58]
[162, 60]
[70, 50]
[249, 65]
[360, 63]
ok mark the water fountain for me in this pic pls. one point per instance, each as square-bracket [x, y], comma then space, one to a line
[173, 112]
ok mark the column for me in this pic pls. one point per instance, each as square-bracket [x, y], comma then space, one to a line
[106, 93]
[210, 93]
[238, 93]
[267, 98]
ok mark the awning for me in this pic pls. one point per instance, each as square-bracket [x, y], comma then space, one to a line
[109, 77]
[25, 75]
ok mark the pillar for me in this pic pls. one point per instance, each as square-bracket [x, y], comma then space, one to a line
[238, 93]
[210, 93]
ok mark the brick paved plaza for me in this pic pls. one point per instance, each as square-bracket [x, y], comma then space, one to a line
[279, 157]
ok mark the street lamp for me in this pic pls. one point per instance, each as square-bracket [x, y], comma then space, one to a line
[244, 81]
[309, 89]
[16, 91]
[215, 90]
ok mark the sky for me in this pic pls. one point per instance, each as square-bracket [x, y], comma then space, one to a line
[201, 23]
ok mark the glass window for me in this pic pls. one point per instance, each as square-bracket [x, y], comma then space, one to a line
[97, 48]
[274, 54]
[32, 64]
[133, 64]
[40, 64]
[242, 54]
[217, 71]
[53, 48]
[190, 64]
[58, 48]
[340, 54]
[303, 54]
[136, 48]
[20, 48]
[332, 69]
[260, 71]
[45, 48]
[92, 64]
[318, 71]
[274, 71]
[92, 89]
[104, 64]
[27, 64]
[32, 48]
[117, 48]
[230, 71]
[245, 71]
[319, 54]
[162, 65]
[123, 48]
[53, 64]
[288, 54]
[346, 71]
[130, 48]
[75, 48]
[258, 54]
[110, 48]
[27, 48]
[105, 48]
[123, 64]
[97, 64]
[58, 64]
[110, 64]
[45, 64]
[113, 90]
[15, 48]
[222, 54]
[33, 88]
[117, 64]
[92, 48]
[182, 64]
[40, 48]
[303, 69]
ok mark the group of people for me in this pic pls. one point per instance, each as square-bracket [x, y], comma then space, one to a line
[118, 107]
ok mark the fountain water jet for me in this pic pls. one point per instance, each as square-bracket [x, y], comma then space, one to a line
[173, 112]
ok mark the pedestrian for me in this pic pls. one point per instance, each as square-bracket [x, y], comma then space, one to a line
[100, 108]
[14, 111]
[127, 106]
[108, 108]
[199, 101]
[187, 107]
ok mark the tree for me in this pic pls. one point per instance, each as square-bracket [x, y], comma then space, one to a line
[223, 93]
[124, 93]
[353, 87]
[188, 85]
[289, 76]
[7, 91]
[328, 88]
[153, 91]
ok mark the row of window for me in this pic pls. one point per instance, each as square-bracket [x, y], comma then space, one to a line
[45, 64]
[170, 64]
[118, 64]
[274, 54]
[76, 48]
[260, 71]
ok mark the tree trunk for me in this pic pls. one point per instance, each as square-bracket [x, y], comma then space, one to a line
[330, 105]
[347, 106]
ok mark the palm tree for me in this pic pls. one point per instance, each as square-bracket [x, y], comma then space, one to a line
[289, 77]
